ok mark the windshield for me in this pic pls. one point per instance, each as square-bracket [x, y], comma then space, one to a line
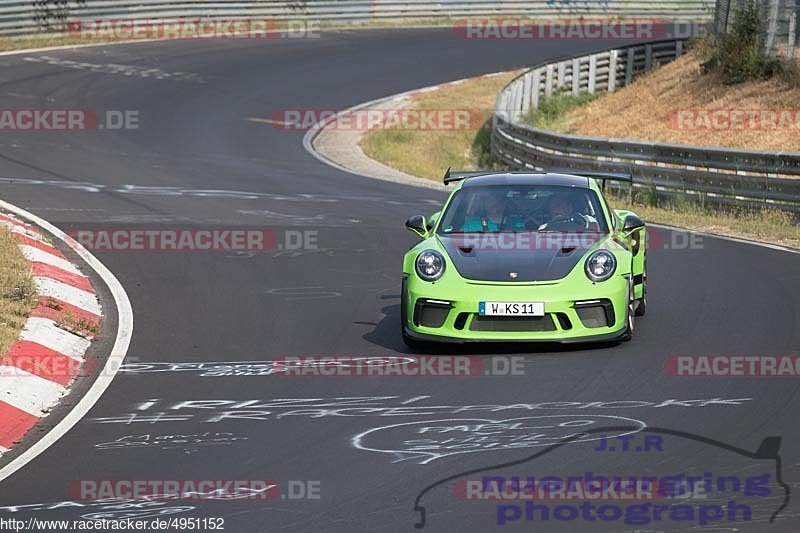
[523, 208]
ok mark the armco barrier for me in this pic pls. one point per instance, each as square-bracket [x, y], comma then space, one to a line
[711, 175]
[25, 18]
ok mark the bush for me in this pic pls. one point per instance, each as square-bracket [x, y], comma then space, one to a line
[739, 54]
[790, 73]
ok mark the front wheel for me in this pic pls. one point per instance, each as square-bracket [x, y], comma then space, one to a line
[641, 303]
[629, 321]
[411, 342]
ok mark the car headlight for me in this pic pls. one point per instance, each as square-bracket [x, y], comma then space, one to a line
[430, 265]
[600, 265]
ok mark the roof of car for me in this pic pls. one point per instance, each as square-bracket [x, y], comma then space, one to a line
[526, 178]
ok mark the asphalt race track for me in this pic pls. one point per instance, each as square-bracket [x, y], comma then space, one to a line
[194, 147]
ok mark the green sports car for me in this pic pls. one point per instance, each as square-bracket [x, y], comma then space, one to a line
[525, 256]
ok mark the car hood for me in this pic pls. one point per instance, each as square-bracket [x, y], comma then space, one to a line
[531, 256]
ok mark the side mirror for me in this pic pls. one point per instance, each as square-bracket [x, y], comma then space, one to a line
[417, 225]
[632, 222]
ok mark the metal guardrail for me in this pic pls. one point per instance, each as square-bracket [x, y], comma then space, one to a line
[36, 16]
[716, 176]
[780, 33]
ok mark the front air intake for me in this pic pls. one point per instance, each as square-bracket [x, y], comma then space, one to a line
[431, 313]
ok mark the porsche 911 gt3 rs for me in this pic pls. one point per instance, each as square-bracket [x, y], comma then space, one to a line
[525, 256]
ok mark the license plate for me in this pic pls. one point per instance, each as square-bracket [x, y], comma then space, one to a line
[511, 308]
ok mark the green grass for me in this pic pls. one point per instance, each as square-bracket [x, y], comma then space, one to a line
[17, 290]
[8, 44]
[766, 225]
[428, 153]
[551, 112]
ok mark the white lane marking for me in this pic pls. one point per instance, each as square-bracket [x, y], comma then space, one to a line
[45, 332]
[3, 450]
[32, 253]
[67, 293]
[114, 361]
[28, 392]
[115, 68]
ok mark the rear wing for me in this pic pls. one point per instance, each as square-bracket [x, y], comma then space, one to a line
[602, 175]
[452, 177]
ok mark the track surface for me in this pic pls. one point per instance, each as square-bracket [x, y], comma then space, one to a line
[343, 299]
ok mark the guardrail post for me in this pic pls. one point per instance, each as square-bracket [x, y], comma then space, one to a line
[500, 111]
[772, 26]
[678, 49]
[537, 84]
[630, 185]
[517, 103]
[592, 73]
[648, 57]
[527, 81]
[629, 65]
[612, 71]
[576, 77]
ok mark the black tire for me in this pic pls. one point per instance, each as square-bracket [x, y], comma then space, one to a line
[411, 342]
[629, 318]
[641, 303]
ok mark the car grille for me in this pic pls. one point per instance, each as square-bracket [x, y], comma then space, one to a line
[512, 323]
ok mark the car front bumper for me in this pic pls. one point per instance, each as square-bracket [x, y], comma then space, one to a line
[575, 311]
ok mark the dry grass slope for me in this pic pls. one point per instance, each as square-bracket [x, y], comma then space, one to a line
[641, 110]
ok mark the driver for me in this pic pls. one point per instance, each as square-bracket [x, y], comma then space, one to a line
[561, 207]
[564, 213]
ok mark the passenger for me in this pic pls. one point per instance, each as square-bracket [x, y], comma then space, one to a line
[490, 215]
